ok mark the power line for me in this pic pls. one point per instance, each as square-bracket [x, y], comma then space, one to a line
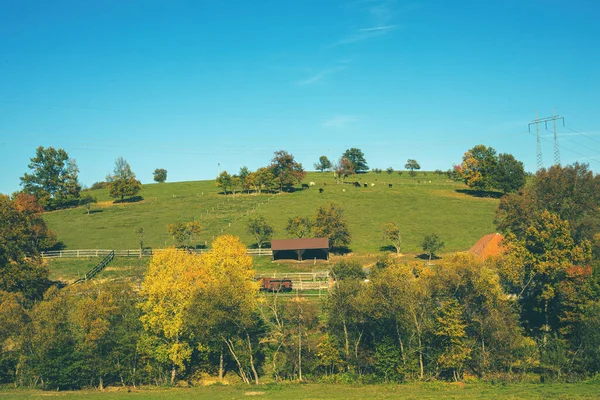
[537, 121]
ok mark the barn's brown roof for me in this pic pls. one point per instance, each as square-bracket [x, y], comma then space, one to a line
[489, 245]
[300, 244]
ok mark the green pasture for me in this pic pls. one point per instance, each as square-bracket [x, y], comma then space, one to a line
[435, 390]
[427, 204]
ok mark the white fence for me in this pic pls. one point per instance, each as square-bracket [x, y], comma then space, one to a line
[133, 253]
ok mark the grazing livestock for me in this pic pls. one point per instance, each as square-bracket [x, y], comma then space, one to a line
[312, 184]
[321, 190]
[389, 185]
[366, 185]
[356, 184]
[372, 184]
[305, 186]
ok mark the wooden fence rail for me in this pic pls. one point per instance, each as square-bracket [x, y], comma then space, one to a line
[133, 253]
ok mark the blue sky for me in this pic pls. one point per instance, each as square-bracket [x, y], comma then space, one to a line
[189, 85]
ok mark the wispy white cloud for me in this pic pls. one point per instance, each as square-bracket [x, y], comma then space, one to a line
[320, 75]
[339, 121]
[365, 33]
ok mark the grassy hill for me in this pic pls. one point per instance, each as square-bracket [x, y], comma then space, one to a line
[427, 204]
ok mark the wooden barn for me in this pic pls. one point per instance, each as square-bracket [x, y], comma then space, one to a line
[300, 249]
[489, 245]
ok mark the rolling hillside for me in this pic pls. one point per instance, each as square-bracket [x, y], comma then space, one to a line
[427, 204]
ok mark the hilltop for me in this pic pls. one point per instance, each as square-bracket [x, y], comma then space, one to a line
[426, 204]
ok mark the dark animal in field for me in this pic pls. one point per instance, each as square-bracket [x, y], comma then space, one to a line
[356, 184]
[305, 186]
[321, 190]
[389, 185]
[366, 185]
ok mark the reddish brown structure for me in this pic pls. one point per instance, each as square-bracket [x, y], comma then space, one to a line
[489, 245]
[275, 285]
[300, 249]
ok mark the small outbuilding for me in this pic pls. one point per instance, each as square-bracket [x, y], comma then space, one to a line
[300, 249]
[489, 245]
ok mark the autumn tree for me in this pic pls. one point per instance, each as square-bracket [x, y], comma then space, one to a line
[122, 182]
[344, 168]
[330, 223]
[536, 265]
[478, 168]
[392, 234]
[23, 234]
[169, 287]
[299, 226]
[160, 175]
[53, 179]
[450, 328]
[323, 164]
[260, 229]
[357, 159]
[286, 170]
[225, 315]
[412, 165]
[262, 179]
[572, 192]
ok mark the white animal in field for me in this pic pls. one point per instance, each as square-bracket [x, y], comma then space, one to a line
[372, 184]
[343, 190]
[312, 184]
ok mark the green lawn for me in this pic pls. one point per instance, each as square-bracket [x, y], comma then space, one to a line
[324, 391]
[426, 204]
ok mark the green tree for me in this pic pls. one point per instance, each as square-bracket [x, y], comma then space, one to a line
[357, 159]
[122, 182]
[224, 181]
[323, 164]
[392, 234]
[412, 165]
[260, 229]
[87, 201]
[432, 244]
[286, 170]
[509, 175]
[185, 234]
[263, 179]
[53, 178]
[478, 168]
[299, 226]
[390, 170]
[160, 175]
[330, 223]
[450, 331]
[245, 182]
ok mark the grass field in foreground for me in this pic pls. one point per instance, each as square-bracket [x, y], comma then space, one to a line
[324, 391]
[427, 204]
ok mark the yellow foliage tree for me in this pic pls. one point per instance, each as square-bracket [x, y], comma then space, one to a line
[169, 286]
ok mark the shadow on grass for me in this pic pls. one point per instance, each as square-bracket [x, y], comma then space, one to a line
[425, 256]
[94, 212]
[388, 248]
[57, 246]
[481, 193]
[340, 251]
[132, 199]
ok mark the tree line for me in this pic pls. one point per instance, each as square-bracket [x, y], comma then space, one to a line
[530, 313]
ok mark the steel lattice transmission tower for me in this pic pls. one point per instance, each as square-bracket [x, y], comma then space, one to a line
[536, 122]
